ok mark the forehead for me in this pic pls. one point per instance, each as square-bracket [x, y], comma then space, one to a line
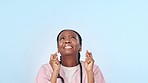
[68, 33]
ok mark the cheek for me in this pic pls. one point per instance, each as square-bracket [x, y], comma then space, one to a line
[60, 44]
[77, 45]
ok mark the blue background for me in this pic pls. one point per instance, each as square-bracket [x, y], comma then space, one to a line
[115, 31]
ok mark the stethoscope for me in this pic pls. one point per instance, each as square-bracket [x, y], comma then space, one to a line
[80, 74]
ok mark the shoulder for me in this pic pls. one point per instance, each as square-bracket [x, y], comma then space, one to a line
[46, 67]
[44, 73]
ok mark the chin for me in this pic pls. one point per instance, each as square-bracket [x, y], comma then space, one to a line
[67, 53]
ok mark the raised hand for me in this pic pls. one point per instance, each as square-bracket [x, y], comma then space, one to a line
[54, 62]
[89, 61]
[88, 64]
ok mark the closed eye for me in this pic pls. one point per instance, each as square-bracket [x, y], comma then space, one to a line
[73, 37]
[62, 38]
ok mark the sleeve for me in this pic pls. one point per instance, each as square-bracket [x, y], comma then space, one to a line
[98, 75]
[43, 75]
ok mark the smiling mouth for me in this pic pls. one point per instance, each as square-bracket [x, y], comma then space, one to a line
[68, 47]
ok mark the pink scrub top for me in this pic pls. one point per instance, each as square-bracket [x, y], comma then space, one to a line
[45, 73]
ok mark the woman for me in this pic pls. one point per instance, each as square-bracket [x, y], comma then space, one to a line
[69, 69]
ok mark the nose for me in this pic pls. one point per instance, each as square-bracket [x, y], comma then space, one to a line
[67, 41]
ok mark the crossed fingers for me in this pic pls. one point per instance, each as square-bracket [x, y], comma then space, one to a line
[89, 59]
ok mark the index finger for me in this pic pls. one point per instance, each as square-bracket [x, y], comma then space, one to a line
[89, 54]
[51, 57]
[55, 56]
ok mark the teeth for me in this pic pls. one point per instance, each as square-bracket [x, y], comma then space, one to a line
[68, 47]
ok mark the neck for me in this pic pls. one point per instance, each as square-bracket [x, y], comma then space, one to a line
[70, 61]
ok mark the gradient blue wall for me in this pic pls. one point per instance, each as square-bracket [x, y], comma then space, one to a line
[115, 31]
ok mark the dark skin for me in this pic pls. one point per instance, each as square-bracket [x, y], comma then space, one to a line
[69, 47]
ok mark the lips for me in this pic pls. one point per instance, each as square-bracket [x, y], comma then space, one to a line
[67, 46]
